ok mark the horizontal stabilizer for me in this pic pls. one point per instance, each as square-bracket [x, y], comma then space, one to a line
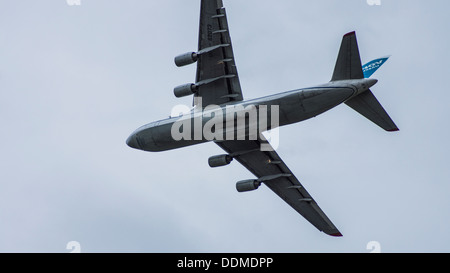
[348, 63]
[367, 105]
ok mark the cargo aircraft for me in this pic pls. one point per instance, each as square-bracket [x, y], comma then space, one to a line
[217, 83]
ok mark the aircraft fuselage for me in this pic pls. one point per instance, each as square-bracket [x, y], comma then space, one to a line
[291, 107]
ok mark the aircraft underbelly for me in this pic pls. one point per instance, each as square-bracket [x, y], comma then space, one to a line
[291, 108]
[312, 103]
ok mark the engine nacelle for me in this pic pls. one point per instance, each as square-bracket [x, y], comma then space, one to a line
[185, 90]
[219, 160]
[247, 185]
[186, 58]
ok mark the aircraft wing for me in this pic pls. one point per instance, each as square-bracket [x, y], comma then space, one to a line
[217, 79]
[270, 169]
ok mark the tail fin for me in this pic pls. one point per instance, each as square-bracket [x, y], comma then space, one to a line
[372, 66]
[348, 66]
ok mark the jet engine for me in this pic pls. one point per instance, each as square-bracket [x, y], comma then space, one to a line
[247, 185]
[219, 160]
[186, 59]
[185, 90]
[192, 57]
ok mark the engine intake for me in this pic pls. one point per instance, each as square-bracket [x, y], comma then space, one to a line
[247, 185]
[186, 59]
[185, 90]
[219, 160]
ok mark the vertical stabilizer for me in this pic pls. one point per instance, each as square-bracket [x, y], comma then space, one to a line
[372, 66]
[348, 64]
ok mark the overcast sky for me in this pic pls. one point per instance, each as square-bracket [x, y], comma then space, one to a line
[75, 81]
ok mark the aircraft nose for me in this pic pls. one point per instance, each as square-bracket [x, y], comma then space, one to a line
[133, 142]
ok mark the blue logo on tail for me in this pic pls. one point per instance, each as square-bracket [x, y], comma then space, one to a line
[372, 66]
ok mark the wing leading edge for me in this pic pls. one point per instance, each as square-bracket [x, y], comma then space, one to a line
[273, 172]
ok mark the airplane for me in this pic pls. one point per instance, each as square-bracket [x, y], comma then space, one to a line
[217, 83]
